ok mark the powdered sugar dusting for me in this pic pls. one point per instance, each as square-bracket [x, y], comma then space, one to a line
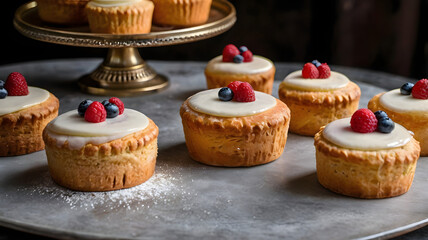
[156, 189]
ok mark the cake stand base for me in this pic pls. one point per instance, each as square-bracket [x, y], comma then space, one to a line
[123, 73]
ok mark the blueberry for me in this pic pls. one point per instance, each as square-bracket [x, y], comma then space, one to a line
[385, 125]
[104, 102]
[111, 109]
[243, 49]
[406, 89]
[316, 63]
[1, 84]
[3, 93]
[380, 114]
[225, 94]
[83, 106]
[238, 59]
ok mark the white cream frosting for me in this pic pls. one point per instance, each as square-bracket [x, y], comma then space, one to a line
[112, 3]
[74, 129]
[258, 65]
[12, 104]
[208, 102]
[295, 80]
[339, 132]
[395, 101]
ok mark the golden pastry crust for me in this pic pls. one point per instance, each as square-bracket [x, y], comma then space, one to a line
[262, 82]
[121, 163]
[417, 122]
[67, 12]
[132, 19]
[365, 174]
[312, 110]
[21, 131]
[236, 141]
[182, 13]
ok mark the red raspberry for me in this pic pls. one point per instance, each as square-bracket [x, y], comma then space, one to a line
[16, 85]
[95, 113]
[248, 56]
[363, 121]
[324, 71]
[116, 101]
[234, 87]
[310, 71]
[420, 89]
[229, 52]
[245, 93]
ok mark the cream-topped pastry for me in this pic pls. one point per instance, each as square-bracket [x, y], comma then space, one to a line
[208, 102]
[295, 81]
[355, 159]
[258, 65]
[317, 97]
[240, 65]
[409, 108]
[231, 133]
[395, 101]
[72, 128]
[101, 147]
[112, 3]
[12, 104]
[340, 133]
[120, 16]
[24, 113]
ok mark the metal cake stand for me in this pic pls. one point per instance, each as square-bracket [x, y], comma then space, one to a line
[123, 71]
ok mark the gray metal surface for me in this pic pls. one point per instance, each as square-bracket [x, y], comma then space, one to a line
[185, 199]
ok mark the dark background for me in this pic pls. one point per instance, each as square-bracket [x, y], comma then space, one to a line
[384, 35]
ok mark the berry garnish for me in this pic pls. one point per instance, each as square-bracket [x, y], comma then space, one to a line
[243, 49]
[95, 113]
[238, 59]
[406, 89]
[310, 71]
[111, 109]
[1, 84]
[316, 63]
[385, 125]
[420, 89]
[225, 94]
[116, 101]
[248, 56]
[16, 85]
[324, 71]
[229, 52]
[380, 114]
[81, 109]
[245, 93]
[234, 86]
[3, 93]
[363, 121]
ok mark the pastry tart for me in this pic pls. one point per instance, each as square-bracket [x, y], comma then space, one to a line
[117, 153]
[258, 71]
[234, 134]
[406, 110]
[63, 12]
[22, 120]
[316, 102]
[365, 165]
[181, 13]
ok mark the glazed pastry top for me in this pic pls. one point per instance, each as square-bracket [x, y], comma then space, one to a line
[73, 128]
[395, 101]
[112, 3]
[258, 65]
[12, 104]
[208, 102]
[295, 81]
[339, 132]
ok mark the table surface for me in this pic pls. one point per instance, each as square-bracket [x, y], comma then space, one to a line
[59, 76]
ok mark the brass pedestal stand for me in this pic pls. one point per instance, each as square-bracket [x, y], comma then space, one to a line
[123, 72]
